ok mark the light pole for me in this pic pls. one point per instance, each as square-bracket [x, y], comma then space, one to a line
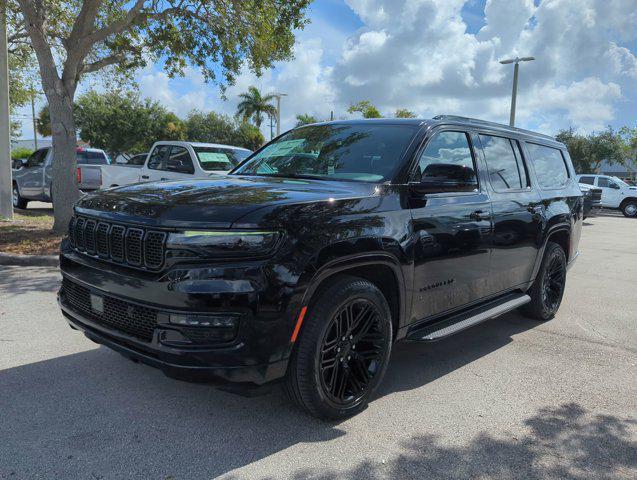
[514, 95]
[278, 111]
[6, 206]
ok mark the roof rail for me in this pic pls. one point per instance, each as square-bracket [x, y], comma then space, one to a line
[485, 123]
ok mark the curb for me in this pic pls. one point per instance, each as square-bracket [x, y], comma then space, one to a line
[29, 260]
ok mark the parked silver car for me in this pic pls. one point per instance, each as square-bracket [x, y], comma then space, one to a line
[32, 178]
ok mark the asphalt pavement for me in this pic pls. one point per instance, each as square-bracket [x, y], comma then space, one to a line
[510, 399]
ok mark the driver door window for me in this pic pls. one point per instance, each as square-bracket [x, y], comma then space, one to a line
[447, 161]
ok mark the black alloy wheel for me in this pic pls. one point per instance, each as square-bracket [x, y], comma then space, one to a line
[342, 351]
[548, 288]
[352, 352]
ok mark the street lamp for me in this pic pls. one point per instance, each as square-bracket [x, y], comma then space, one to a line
[278, 111]
[514, 95]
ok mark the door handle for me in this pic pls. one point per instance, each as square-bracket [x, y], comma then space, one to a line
[145, 177]
[480, 215]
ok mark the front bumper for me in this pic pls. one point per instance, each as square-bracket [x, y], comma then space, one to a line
[257, 354]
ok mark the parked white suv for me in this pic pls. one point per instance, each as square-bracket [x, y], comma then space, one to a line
[616, 193]
[172, 160]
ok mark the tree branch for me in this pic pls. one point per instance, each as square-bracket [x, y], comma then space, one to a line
[104, 62]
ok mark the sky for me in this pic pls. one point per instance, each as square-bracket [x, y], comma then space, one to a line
[442, 57]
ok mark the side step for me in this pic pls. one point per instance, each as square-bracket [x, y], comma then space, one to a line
[456, 323]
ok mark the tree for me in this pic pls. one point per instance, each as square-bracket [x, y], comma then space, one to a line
[120, 122]
[73, 39]
[254, 104]
[215, 128]
[43, 122]
[404, 113]
[589, 151]
[305, 119]
[366, 108]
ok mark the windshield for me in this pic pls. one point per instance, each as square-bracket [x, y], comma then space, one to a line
[217, 158]
[621, 182]
[363, 152]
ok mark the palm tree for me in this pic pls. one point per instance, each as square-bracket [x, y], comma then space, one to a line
[305, 119]
[253, 105]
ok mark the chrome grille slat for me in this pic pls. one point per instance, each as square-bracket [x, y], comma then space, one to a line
[133, 246]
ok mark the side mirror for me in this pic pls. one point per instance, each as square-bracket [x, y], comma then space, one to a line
[446, 177]
[614, 186]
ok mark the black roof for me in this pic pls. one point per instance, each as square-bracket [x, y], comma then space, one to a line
[449, 119]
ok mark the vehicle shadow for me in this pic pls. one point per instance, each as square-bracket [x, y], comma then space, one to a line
[96, 413]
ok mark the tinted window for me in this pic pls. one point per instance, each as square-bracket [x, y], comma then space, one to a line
[587, 180]
[91, 158]
[505, 167]
[549, 165]
[447, 157]
[137, 159]
[606, 182]
[158, 157]
[217, 158]
[179, 161]
[362, 152]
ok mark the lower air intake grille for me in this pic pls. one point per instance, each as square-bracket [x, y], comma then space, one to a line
[126, 317]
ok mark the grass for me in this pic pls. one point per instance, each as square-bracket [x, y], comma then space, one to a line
[29, 233]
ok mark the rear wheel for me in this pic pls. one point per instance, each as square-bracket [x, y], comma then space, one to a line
[629, 208]
[17, 200]
[548, 288]
[343, 351]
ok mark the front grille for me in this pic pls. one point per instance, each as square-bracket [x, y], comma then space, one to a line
[126, 317]
[136, 247]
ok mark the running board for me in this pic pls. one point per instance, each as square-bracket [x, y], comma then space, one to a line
[457, 323]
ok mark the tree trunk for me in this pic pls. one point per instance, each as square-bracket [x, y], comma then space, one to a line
[64, 188]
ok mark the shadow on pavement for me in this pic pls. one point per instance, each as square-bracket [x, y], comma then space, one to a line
[14, 281]
[564, 442]
[96, 413]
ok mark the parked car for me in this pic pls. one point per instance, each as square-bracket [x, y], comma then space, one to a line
[592, 199]
[309, 260]
[170, 160]
[616, 193]
[33, 180]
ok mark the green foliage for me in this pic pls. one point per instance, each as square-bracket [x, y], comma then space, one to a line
[404, 113]
[366, 108]
[589, 151]
[254, 104]
[21, 153]
[43, 122]
[215, 128]
[120, 122]
[305, 119]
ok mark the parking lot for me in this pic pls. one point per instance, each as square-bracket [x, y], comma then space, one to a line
[508, 399]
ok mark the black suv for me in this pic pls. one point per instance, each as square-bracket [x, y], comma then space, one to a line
[313, 256]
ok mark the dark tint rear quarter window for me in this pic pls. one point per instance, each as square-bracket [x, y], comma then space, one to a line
[587, 180]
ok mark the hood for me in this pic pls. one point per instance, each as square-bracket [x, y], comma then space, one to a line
[215, 202]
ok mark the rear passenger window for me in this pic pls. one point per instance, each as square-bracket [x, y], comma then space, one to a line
[506, 170]
[587, 180]
[447, 157]
[549, 165]
[179, 161]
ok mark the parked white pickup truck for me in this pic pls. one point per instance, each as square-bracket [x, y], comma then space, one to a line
[170, 160]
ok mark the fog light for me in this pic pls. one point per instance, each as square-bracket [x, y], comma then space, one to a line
[214, 321]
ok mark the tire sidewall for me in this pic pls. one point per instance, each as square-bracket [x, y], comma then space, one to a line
[625, 206]
[553, 251]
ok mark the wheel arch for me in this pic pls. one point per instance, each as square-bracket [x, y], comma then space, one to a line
[380, 268]
[560, 234]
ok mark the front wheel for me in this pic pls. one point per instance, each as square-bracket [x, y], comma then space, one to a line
[343, 351]
[629, 208]
[548, 288]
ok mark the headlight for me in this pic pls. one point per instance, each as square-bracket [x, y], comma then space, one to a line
[225, 242]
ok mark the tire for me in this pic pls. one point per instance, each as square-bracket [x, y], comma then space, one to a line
[330, 377]
[548, 288]
[17, 200]
[629, 208]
